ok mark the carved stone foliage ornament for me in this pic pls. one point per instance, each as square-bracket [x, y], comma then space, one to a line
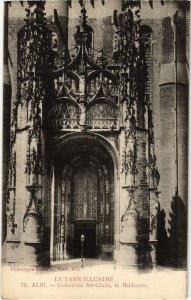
[10, 210]
[13, 126]
[154, 176]
[126, 53]
[10, 197]
[34, 162]
[12, 169]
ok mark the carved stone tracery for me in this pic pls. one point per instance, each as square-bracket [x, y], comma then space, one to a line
[132, 47]
[82, 82]
[85, 195]
[10, 199]
[35, 57]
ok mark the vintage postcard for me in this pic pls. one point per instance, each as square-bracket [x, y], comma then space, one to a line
[95, 149]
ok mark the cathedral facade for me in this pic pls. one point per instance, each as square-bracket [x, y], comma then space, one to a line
[96, 144]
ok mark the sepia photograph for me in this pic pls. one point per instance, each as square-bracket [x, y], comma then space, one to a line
[95, 149]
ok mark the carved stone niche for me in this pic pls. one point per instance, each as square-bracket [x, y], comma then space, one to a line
[32, 223]
[154, 207]
[129, 220]
[32, 229]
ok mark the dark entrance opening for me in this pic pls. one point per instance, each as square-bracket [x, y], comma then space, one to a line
[84, 198]
[89, 232]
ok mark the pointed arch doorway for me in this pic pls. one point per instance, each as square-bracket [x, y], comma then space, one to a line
[84, 200]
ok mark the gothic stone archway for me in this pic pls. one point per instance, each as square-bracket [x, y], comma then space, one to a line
[84, 198]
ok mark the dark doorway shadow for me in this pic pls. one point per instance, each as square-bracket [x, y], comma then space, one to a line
[89, 242]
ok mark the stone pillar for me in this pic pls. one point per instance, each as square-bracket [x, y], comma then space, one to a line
[153, 182]
[6, 117]
[173, 87]
[25, 179]
[134, 180]
[57, 16]
[128, 239]
[128, 212]
[52, 194]
[116, 213]
[129, 230]
[154, 205]
[174, 91]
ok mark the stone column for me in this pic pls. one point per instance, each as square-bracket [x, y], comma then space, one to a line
[9, 195]
[128, 212]
[173, 86]
[27, 137]
[7, 91]
[134, 186]
[127, 27]
[52, 194]
[154, 205]
[153, 182]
